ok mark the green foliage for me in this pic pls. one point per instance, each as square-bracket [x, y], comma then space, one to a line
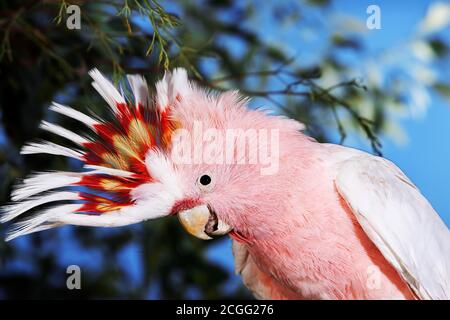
[443, 89]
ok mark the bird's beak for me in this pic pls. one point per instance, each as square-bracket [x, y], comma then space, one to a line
[202, 222]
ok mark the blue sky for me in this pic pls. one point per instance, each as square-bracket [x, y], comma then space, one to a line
[425, 157]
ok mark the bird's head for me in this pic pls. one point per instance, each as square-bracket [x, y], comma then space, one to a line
[205, 157]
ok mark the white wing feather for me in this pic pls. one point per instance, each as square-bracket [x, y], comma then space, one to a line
[400, 221]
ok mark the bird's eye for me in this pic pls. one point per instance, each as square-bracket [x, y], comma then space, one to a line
[205, 180]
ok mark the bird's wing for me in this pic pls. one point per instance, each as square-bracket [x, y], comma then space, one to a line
[400, 222]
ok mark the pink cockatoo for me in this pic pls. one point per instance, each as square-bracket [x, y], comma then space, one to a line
[321, 221]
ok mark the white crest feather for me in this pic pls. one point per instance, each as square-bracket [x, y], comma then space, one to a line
[44, 181]
[14, 210]
[74, 114]
[106, 89]
[172, 86]
[109, 171]
[117, 218]
[62, 132]
[42, 221]
[51, 148]
[140, 90]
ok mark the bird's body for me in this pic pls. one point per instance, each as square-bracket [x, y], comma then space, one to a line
[323, 252]
[317, 221]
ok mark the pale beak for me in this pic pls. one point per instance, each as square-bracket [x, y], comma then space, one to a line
[202, 222]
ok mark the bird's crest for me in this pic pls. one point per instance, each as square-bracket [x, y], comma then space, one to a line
[114, 157]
